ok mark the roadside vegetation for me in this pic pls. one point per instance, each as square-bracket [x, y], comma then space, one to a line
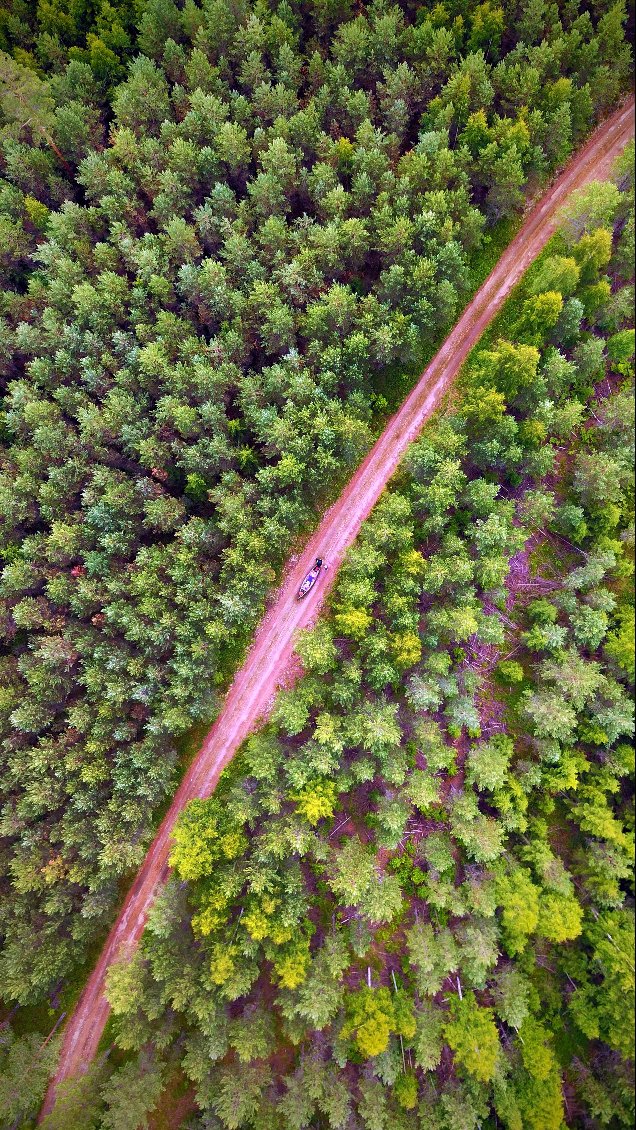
[410, 901]
[219, 223]
[228, 234]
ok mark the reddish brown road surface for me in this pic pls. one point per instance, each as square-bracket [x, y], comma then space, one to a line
[251, 693]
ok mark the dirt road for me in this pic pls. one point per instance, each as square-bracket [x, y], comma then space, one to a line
[255, 684]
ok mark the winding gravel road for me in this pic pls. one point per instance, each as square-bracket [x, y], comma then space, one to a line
[251, 693]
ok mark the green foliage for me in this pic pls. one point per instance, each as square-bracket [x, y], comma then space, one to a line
[619, 645]
[204, 834]
[405, 1090]
[357, 882]
[560, 917]
[472, 1035]
[556, 273]
[446, 882]
[130, 1095]
[25, 1065]
[316, 801]
[519, 900]
[539, 315]
[488, 763]
[510, 671]
[225, 230]
[25, 100]
[389, 889]
[77, 1102]
[541, 1102]
[370, 1020]
[593, 209]
[620, 350]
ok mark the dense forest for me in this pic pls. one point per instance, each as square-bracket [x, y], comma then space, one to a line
[407, 905]
[228, 233]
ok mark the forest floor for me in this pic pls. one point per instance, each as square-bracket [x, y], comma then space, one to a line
[270, 658]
